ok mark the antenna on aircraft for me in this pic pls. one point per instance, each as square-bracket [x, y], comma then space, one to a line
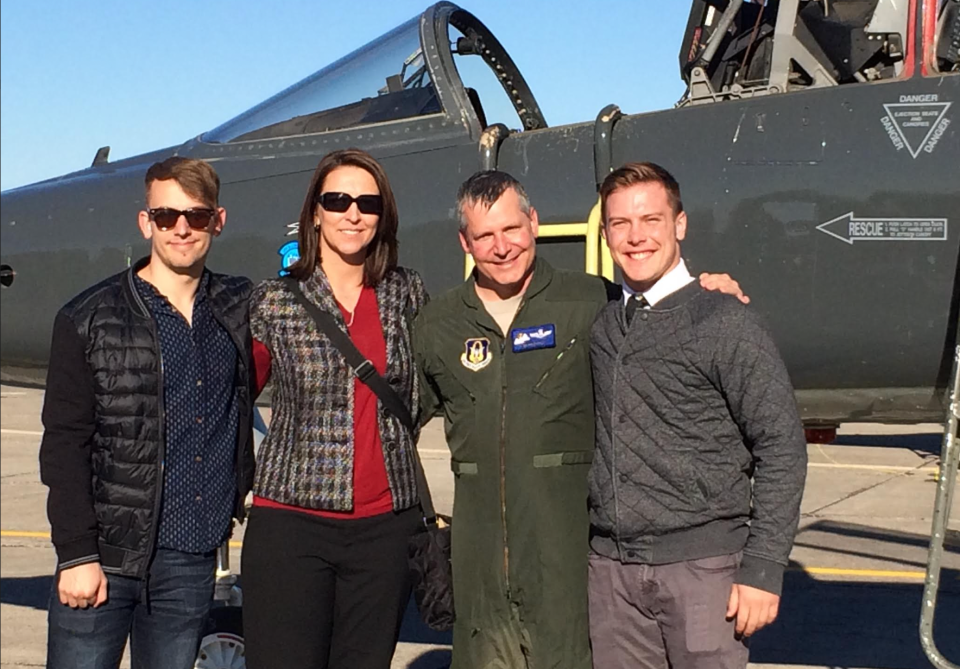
[102, 157]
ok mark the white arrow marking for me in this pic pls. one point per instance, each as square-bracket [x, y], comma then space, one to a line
[886, 229]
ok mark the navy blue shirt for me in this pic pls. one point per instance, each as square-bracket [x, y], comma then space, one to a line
[200, 422]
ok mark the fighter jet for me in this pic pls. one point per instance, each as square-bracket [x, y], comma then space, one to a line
[816, 144]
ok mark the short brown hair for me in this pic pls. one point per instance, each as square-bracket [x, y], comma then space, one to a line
[196, 177]
[382, 251]
[632, 174]
[487, 187]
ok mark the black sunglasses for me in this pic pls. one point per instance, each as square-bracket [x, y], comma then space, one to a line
[166, 218]
[340, 202]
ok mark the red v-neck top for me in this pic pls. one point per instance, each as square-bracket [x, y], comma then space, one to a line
[371, 490]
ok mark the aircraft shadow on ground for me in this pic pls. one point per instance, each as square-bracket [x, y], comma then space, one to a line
[821, 623]
[29, 591]
[923, 443]
[863, 623]
[414, 630]
[38, 383]
[34, 592]
[432, 659]
[849, 539]
[854, 625]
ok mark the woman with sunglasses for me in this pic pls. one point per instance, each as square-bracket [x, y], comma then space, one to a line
[324, 563]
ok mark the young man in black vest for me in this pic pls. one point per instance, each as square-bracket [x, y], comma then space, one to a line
[147, 446]
[692, 402]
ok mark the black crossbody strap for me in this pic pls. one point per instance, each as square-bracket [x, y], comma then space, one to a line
[368, 374]
[426, 501]
[362, 367]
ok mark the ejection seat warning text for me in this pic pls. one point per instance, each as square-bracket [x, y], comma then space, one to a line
[916, 123]
[848, 228]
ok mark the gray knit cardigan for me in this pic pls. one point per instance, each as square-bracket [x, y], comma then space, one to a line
[306, 458]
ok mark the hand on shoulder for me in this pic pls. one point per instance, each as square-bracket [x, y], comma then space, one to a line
[723, 283]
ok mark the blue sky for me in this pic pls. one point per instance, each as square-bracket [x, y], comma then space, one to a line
[80, 74]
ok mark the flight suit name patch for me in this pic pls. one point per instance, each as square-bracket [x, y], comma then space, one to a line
[476, 354]
[530, 339]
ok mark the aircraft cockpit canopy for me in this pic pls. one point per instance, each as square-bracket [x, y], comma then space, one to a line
[385, 80]
[441, 62]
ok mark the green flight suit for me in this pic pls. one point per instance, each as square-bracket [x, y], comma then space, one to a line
[520, 428]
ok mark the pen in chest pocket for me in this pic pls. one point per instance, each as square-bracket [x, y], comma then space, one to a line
[556, 360]
[566, 348]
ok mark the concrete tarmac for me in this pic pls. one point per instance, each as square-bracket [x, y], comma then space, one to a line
[852, 595]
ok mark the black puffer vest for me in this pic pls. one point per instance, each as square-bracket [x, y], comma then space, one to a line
[128, 446]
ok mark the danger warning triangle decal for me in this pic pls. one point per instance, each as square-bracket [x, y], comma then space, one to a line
[916, 125]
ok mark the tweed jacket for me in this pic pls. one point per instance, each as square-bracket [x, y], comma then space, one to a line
[307, 456]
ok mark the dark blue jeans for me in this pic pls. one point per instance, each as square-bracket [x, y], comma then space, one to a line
[164, 623]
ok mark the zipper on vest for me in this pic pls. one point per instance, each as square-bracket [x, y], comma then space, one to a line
[151, 544]
[240, 454]
[162, 457]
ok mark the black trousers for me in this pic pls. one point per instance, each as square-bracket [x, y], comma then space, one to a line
[320, 593]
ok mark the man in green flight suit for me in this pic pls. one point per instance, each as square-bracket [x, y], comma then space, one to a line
[505, 359]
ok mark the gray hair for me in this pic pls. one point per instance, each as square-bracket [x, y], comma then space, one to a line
[486, 188]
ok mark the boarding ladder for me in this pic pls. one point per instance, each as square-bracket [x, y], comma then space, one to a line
[597, 258]
[941, 533]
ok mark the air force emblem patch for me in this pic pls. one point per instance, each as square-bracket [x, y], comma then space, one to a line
[476, 354]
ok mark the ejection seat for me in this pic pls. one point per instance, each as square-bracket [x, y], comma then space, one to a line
[839, 35]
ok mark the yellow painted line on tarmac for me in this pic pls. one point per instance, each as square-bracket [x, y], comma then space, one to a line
[824, 465]
[882, 468]
[813, 571]
[862, 573]
[24, 433]
[24, 535]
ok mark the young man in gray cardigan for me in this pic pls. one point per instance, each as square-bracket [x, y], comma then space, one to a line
[693, 402]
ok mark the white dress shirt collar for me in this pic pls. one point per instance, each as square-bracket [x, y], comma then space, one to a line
[668, 284]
